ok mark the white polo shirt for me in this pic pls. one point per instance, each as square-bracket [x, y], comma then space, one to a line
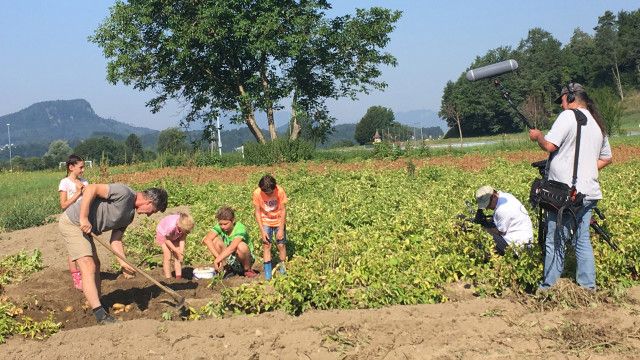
[512, 219]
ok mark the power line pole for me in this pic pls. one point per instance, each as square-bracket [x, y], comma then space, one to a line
[219, 137]
[9, 133]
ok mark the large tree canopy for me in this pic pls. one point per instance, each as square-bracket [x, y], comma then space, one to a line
[377, 118]
[244, 56]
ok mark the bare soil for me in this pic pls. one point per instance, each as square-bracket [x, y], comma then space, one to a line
[240, 174]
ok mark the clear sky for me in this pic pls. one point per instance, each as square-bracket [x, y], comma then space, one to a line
[45, 55]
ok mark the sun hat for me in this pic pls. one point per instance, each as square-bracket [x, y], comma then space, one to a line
[483, 196]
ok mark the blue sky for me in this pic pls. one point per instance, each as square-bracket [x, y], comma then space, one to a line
[45, 55]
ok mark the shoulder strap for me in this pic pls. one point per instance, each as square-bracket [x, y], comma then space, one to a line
[581, 120]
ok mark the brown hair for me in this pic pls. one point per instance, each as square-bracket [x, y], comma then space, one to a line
[226, 213]
[593, 109]
[73, 160]
[267, 183]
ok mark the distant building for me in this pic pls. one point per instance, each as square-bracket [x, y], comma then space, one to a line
[377, 138]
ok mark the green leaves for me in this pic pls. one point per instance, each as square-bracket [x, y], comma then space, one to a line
[239, 57]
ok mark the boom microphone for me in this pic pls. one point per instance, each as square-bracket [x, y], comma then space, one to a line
[492, 70]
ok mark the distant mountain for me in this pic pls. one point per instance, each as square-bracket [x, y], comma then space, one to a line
[421, 118]
[71, 120]
[33, 128]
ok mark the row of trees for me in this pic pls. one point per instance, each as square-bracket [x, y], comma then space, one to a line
[241, 57]
[98, 148]
[607, 62]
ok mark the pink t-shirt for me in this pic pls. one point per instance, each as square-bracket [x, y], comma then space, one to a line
[168, 229]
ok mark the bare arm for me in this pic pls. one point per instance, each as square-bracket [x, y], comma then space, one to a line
[118, 247]
[258, 214]
[283, 223]
[65, 202]
[537, 136]
[90, 193]
[228, 251]
[208, 241]
[602, 162]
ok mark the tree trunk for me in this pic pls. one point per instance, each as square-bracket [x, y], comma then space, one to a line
[459, 127]
[267, 93]
[250, 119]
[616, 76]
[295, 127]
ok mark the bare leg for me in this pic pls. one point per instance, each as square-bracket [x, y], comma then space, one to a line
[244, 255]
[176, 262]
[282, 252]
[90, 280]
[166, 261]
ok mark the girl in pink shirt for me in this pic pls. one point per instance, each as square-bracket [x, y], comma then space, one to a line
[171, 233]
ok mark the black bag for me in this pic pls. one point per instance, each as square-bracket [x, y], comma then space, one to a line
[554, 195]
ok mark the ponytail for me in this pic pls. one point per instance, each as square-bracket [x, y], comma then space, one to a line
[593, 109]
[73, 160]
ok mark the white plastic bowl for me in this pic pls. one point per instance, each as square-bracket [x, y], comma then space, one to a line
[204, 272]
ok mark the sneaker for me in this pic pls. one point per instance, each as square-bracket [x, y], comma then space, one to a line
[77, 280]
[108, 319]
[250, 273]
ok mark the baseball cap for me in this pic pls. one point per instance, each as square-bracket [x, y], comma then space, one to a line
[483, 196]
[577, 88]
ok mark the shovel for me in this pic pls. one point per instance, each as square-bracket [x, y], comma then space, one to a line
[180, 301]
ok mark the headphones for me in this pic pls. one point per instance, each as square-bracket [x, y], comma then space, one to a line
[571, 95]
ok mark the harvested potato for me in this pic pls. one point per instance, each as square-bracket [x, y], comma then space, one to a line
[118, 306]
[68, 308]
[128, 307]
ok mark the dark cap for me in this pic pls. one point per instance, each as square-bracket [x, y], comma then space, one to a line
[577, 88]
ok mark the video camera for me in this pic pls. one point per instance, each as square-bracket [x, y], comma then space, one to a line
[474, 216]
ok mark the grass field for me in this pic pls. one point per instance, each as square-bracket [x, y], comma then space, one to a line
[29, 198]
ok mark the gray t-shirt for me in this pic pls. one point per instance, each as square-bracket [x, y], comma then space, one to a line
[593, 146]
[114, 212]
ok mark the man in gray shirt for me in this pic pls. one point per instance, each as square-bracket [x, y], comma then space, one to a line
[594, 154]
[104, 207]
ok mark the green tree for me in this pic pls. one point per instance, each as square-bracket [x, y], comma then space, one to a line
[629, 37]
[578, 58]
[481, 109]
[377, 118]
[610, 107]
[608, 51]
[93, 148]
[134, 148]
[239, 57]
[316, 127]
[172, 140]
[59, 151]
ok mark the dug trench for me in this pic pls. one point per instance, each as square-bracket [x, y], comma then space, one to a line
[51, 292]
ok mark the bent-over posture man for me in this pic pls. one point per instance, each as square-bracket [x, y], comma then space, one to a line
[511, 219]
[103, 207]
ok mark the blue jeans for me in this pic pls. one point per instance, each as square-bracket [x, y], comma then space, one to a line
[272, 232]
[555, 245]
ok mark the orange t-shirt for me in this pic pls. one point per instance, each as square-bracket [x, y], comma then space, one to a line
[271, 206]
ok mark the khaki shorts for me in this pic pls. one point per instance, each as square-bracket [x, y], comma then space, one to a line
[78, 244]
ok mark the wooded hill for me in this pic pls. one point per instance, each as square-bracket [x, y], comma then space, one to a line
[607, 62]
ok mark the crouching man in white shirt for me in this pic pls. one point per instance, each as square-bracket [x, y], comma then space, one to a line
[511, 223]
